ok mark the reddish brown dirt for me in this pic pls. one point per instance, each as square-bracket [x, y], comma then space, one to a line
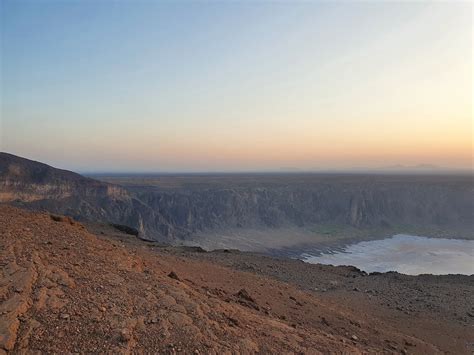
[64, 290]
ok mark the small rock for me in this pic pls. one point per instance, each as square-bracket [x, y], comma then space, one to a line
[245, 295]
[125, 335]
[174, 276]
[354, 337]
[64, 316]
[356, 289]
[102, 309]
[233, 321]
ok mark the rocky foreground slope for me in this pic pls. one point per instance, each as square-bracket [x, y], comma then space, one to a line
[177, 208]
[64, 290]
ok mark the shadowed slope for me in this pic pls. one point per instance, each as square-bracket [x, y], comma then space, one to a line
[36, 185]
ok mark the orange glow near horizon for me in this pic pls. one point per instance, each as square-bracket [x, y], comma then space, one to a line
[239, 87]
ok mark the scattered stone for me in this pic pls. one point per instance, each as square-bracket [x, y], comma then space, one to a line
[125, 335]
[174, 276]
[64, 219]
[102, 309]
[64, 316]
[355, 289]
[245, 295]
[354, 337]
[233, 321]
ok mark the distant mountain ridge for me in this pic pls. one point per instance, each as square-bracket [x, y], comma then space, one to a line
[265, 203]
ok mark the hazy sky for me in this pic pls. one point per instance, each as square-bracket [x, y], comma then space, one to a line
[242, 85]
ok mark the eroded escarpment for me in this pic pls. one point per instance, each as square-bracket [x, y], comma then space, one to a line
[353, 202]
[177, 209]
[37, 186]
[66, 290]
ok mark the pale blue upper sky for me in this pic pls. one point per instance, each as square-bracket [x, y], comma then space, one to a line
[156, 86]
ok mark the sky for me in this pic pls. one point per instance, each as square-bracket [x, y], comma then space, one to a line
[159, 86]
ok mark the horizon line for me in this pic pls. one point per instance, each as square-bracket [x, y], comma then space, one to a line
[355, 171]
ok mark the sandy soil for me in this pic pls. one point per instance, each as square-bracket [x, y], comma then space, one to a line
[66, 290]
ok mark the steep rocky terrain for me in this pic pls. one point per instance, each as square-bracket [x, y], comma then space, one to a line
[432, 205]
[65, 290]
[34, 185]
[176, 208]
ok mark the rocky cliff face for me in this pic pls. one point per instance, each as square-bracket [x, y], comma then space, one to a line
[26, 180]
[39, 186]
[168, 214]
[356, 203]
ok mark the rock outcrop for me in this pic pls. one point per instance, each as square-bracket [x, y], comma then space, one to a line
[38, 186]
